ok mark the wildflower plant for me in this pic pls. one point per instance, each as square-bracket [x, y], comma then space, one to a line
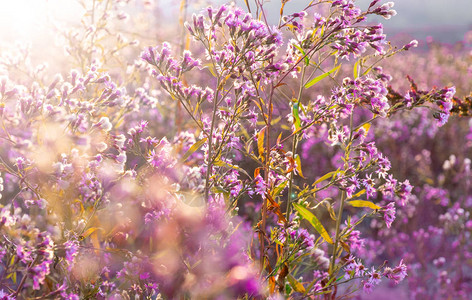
[188, 172]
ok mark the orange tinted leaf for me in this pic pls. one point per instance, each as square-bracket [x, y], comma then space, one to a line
[260, 142]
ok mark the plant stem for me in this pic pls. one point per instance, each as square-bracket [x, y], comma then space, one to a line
[23, 280]
[210, 142]
[294, 150]
[183, 35]
[338, 225]
[343, 199]
[92, 39]
[266, 178]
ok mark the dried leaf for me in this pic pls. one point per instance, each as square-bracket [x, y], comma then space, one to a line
[275, 207]
[295, 284]
[345, 247]
[89, 232]
[330, 209]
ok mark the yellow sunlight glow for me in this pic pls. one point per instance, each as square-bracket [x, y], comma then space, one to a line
[28, 19]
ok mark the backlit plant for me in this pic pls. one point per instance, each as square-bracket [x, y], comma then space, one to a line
[246, 163]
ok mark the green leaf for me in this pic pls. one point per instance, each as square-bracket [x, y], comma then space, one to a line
[327, 176]
[295, 284]
[280, 188]
[285, 127]
[194, 148]
[219, 190]
[358, 194]
[321, 77]
[276, 120]
[356, 69]
[220, 163]
[363, 203]
[306, 214]
[307, 61]
[211, 69]
[323, 292]
[331, 280]
[366, 128]
[296, 115]
[367, 71]
[299, 165]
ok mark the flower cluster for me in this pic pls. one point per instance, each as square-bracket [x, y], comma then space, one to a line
[250, 161]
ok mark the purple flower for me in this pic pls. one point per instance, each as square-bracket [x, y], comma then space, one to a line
[260, 185]
[104, 124]
[306, 239]
[373, 276]
[442, 119]
[6, 219]
[369, 185]
[161, 156]
[404, 191]
[359, 269]
[367, 287]
[69, 296]
[412, 44]
[350, 264]
[355, 241]
[385, 10]
[72, 248]
[39, 273]
[389, 214]
[396, 274]
[243, 281]
[5, 296]
[144, 276]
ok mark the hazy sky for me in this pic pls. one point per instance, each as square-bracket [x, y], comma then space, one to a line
[445, 20]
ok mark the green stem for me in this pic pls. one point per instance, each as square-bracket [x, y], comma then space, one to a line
[294, 148]
[23, 280]
[338, 236]
[343, 199]
[266, 179]
[210, 142]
